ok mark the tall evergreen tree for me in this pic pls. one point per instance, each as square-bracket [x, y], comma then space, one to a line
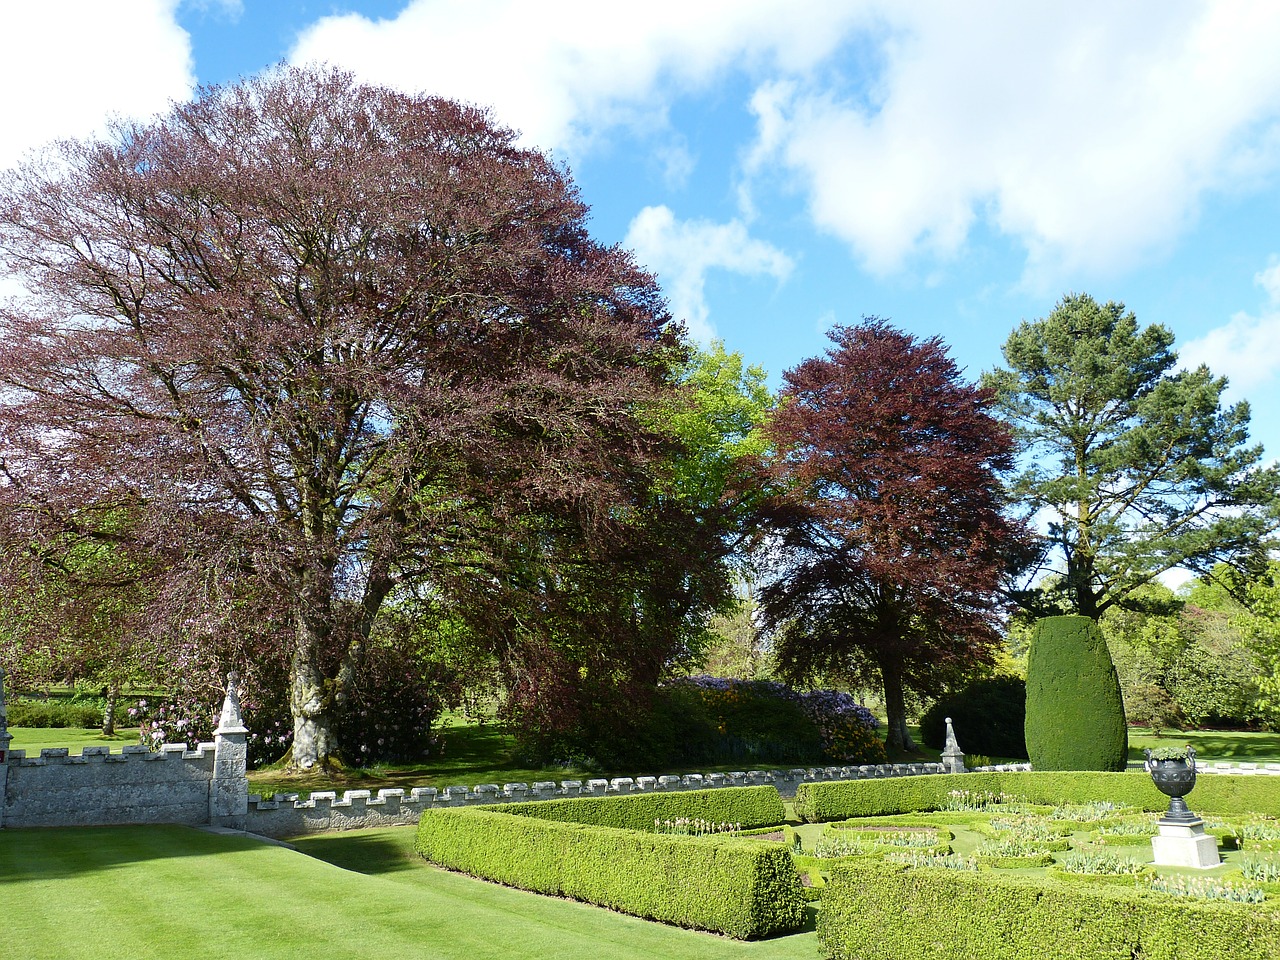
[1135, 465]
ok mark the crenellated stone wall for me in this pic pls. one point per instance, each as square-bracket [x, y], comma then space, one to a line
[284, 815]
[99, 787]
[204, 786]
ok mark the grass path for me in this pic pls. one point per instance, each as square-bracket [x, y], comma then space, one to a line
[165, 892]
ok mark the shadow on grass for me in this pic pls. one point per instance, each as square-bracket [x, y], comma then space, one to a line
[58, 852]
[388, 850]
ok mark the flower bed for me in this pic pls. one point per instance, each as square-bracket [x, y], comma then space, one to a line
[1085, 887]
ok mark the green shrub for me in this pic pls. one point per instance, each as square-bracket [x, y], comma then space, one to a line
[883, 912]
[741, 888]
[1219, 794]
[1075, 714]
[989, 717]
[54, 713]
[749, 806]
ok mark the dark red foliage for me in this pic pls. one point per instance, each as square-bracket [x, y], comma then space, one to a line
[301, 345]
[889, 537]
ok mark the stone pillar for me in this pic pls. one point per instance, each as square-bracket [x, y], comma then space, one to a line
[229, 789]
[952, 755]
[5, 739]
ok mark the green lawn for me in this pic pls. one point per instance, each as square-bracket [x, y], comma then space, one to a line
[1220, 745]
[35, 739]
[164, 892]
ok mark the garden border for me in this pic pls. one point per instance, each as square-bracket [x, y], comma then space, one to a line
[608, 851]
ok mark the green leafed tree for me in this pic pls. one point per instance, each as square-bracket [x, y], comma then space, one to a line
[1135, 466]
[1259, 623]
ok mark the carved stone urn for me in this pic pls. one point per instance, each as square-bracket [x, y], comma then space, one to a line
[1174, 776]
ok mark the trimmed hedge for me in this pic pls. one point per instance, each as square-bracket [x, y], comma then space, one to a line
[748, 806]
[1223, 794]
[741, 888]
[1075, 714]
[54, 713]
[883, 912]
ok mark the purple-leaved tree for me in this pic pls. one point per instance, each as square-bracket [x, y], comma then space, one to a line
[301, 347]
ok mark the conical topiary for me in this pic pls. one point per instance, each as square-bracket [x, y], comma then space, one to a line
[1075, 717]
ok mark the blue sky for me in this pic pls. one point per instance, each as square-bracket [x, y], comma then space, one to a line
[784, 166]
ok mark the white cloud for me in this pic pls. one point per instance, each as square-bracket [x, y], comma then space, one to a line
[1246, 349]
[1088, 131]
[563, 74]
[1269, 280]
[68, 66]
[682, 252]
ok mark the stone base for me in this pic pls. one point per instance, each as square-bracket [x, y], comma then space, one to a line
[1185, 845]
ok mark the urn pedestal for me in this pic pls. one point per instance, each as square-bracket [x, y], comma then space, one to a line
[1182, 841]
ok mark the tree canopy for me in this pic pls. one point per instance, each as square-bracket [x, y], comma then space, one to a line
[886, 528]
[1135, 465]
[323, 345]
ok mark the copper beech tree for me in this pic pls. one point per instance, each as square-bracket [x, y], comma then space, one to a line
[302, 347]
[885, 530]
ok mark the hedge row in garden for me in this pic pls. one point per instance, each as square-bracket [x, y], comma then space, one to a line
[728, 885]
[1215, 793]
[877, 911]
[54, 713]
[746, 807]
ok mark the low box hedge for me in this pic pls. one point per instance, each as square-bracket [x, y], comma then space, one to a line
[740, 888]
[748, 807]
[882, 912]
[1227, 795]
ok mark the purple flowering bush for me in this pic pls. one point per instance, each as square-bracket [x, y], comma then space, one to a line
[176, 718]
[187, 718]
[849, 731]
[766, 720]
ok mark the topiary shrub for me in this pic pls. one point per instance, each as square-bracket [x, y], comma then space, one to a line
[989, 717]
[1075, 715]
[873, 911]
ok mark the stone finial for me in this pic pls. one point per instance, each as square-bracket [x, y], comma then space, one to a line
[951, 746]
[230, 720]
[952, 755]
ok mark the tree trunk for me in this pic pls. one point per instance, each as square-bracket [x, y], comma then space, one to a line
[112, 694]
[896, 737]
[310, 700]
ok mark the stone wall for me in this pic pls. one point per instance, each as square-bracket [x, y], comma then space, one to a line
[205, 786]
[285, 815]
[209, 786]
[99, 787]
